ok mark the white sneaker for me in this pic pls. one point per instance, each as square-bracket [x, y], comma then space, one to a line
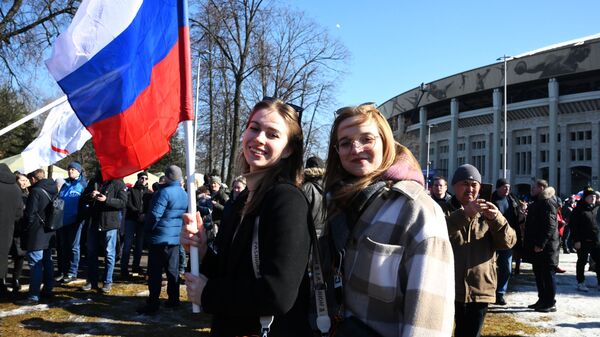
[581, 287]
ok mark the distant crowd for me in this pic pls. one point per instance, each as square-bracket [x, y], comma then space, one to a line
[355, 245]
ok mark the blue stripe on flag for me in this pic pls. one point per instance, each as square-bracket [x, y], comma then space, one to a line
[112, 80]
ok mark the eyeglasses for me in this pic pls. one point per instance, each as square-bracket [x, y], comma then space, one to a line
[340, 110]
[296, 108]
[144, 178]
[364, 142]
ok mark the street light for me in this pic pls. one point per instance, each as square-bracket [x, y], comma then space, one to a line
[504, 58]
[429, 126]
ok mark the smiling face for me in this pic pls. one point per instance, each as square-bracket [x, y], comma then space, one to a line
[362, 150]
[265, 140]
[23, 182]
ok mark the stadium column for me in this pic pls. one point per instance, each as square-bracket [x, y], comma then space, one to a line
[423, 137]
[452, 147]
[595, 155]
[497, 132]
[565, 177]
[552, 132]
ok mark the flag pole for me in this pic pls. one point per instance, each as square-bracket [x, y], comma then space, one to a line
[32, 115]
[190, 164]
[190, 149]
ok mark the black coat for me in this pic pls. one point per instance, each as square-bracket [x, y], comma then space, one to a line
[34, 237]
[513, 215]
[584, 225]
[11, 209]
[220, 197]
[541, 229]
[105, 215]
[135, 201]
[233, 294]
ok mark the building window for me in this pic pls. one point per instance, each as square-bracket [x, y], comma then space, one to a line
[461, 147]
[479, 163]
[558, 156]
[543, 156]
[580, 155]
[588, 154]
[460, 161]
[543, 138]
[588, 135]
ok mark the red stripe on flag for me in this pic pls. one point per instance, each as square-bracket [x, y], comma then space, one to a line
[56, 149]
[139, 136]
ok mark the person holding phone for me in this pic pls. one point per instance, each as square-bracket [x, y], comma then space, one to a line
[476, 229]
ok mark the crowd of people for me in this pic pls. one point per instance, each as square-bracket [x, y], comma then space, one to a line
[355, 244]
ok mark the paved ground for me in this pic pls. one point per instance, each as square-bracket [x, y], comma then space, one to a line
[578, 313]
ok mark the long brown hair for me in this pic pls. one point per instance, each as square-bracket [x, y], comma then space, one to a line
[287, 169]
[335, 173]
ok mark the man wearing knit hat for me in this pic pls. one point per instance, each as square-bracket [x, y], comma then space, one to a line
[68, 237]
[162, 228]
[509, 206]
[476, 230]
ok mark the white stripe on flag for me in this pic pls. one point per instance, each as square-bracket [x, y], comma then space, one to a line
[61, 135]
[90, 33]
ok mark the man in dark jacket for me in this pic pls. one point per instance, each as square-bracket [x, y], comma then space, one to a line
[70, 234]
[162, 228]
[439, 190]
[508, 205]
[104, 201]
[586, 235]
[11, 209]
[313, 189]
[37, 241]
[541, 243]
[134, 225]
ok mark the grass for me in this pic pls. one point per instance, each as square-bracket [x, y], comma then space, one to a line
[505, 325]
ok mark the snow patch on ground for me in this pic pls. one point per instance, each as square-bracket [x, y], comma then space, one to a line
[578, 313]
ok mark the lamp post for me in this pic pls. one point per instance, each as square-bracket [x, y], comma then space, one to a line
[429, 126]
[505, 58]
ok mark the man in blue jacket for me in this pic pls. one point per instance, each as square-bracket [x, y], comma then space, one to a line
[70, 234]
[162, 228]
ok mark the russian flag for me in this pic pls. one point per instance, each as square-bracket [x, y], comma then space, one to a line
[126, 69]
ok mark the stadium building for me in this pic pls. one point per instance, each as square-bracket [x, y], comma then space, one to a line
[552, 113]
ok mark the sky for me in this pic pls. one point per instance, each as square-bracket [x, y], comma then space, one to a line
[397, 45]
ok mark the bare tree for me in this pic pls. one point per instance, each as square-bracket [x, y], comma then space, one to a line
[265, 51]
[27, 28]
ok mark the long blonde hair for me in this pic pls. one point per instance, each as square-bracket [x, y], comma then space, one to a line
[335, 173]
[287, 169]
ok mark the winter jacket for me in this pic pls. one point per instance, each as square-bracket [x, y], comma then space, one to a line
[106, 215]
[165, 217]
[474, 242]
[220, 197]
[11, 209]
[397, 255]
[513, 215]
[584, 225]
[541, 228]
[234, 295]
[135, 201]
[34, 237]
[442, 201]
[313, 189]
[71, 192]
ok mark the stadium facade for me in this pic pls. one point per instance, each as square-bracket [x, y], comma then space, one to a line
[553, 118]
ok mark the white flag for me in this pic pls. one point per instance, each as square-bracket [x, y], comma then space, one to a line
[61, 135]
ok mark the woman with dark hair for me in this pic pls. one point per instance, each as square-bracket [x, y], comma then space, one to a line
[259, 270]
[397, 263]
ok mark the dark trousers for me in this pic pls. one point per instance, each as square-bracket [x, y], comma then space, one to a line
[587, 249]
[163, 257]
[545, 281]
[468, 318]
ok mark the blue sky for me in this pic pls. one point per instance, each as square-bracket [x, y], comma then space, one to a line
[396, 45]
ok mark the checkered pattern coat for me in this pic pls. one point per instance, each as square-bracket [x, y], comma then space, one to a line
[399, 265]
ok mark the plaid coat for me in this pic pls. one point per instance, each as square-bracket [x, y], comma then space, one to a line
[399, 265]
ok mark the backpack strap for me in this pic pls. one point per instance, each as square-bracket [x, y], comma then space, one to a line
[265, 321]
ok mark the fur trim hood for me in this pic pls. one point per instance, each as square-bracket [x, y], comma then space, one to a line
[314, 172]
[547, 193]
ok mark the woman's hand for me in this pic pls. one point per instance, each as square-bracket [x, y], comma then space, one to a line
[194, 287]
[192, 233]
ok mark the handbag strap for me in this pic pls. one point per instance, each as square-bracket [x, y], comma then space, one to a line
[265, 321]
